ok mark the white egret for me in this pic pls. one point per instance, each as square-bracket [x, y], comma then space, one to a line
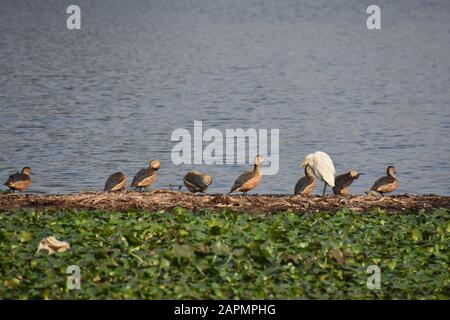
[323, 167]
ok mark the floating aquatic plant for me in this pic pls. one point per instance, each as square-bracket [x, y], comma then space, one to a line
[226, 255]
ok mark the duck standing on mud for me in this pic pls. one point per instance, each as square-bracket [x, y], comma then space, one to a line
[343, 182]
[197, 182]
[305, 185]
[145, 177]
[323, 168]
[386, 184]
[116, 182]
[250, 179]
[19, 181]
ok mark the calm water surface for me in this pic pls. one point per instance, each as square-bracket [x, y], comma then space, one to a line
[78, 105]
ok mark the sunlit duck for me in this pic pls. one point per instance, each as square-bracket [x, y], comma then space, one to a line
[19, 181]
[116, 182]
[387, 183]
[196, 181]
[145, 177]
[305, 185]
[250, 179]
[342, 182]
[323, 167]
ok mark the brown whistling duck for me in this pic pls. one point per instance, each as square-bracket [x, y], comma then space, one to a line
[145, 177]
[388, 183]
[20, 181]
[250, 179]
[343, 182]
[305, 185]
[197, 182]
[116, 182]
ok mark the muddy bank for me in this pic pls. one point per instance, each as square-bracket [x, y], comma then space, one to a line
[164, 199]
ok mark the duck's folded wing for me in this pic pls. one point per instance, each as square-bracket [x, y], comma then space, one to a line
[195, 180]
[243, 178]
[114, 180]
[141, 175]
[302, 184]
[17, 178]
[343, 181]
[384, 184]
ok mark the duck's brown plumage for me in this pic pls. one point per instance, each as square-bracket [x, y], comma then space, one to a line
[146, 177]
[342, 182]
[388, 183]
[197, 182]
[19, 181]
[305, 185]
[250, 179]
[116, 182]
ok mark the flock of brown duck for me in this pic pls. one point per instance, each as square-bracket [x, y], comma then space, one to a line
[317, 166]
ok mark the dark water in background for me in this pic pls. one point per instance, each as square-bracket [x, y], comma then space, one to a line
[79, 105]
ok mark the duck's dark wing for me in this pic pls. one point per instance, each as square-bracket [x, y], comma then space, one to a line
[195, 182]
[340, 182]
[304, 185]
[19, 181]
[384, 184]
[243, 178]
[17, 178]
[10, 180]
[142, 175]
[114, 180]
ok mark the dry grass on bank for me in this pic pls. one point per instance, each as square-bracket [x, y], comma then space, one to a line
[165, 199]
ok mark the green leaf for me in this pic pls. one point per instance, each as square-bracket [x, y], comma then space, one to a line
[180, 254]
[25, 236]
[416, 235]
[221, 249]
[182, 251]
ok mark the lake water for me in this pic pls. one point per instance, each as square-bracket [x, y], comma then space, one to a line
[77, 106]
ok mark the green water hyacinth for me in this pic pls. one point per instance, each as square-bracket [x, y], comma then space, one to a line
[206, 255]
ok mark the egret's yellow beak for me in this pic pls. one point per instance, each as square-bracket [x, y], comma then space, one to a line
[303, 164]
